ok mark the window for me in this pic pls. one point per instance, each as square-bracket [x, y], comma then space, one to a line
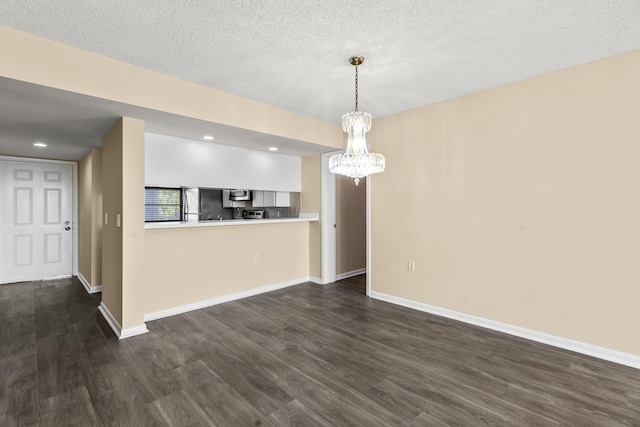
[162, 204]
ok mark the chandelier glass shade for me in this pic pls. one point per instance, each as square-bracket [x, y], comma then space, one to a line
[356, 162]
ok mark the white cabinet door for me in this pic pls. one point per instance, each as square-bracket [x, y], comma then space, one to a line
[283, 199]
[257, 199]
[36, 221]
[269, 198]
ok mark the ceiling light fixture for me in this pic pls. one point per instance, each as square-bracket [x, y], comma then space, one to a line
[39, 144]
[208, 138]
[356, 162]
[273, 148]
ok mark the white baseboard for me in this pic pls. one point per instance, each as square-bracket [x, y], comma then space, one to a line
[110, 319]
[350, 274]
[565, 343]
[225, 298]
[133, 331]
[90, 288]
[340, 276]
[117, 329]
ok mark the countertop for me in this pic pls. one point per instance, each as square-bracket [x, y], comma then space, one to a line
[304, 217]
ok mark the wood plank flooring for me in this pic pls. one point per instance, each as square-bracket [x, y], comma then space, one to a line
[308, 355]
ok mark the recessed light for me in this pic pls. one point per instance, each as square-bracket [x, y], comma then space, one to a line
[39, 144]
[273, 148]
[207, 138]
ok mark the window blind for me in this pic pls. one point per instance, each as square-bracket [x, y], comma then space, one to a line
[162, 204]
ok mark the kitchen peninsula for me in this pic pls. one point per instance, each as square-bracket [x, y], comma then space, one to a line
[198, 264]
[194, 264]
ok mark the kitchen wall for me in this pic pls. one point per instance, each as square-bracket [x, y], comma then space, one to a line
[519, 204]
[171, 161]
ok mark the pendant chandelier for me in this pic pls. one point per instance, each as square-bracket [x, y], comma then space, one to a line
[356, 162]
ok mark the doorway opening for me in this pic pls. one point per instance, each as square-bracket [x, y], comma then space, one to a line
[345, 229]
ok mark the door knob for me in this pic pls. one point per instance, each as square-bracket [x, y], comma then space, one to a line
[67, 223]
[67, 228]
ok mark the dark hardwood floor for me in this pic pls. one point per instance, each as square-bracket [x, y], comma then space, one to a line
[308, 355]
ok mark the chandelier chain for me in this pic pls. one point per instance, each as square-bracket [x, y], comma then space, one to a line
[356, 88]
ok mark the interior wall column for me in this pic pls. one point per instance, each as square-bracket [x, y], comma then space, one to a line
[123, 227]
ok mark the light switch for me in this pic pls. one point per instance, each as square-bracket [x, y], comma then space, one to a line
[106, 218]
[117, 220]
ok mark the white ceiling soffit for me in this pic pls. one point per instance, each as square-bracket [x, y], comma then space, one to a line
[293, 54]
[71, 124]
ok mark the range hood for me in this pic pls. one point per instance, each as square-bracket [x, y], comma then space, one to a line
[239, 195]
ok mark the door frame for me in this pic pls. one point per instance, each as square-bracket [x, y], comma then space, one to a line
[74, 201]
[368, 236]
[328, 230]
[328, 225]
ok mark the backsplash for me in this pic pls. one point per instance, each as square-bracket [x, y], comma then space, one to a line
[211, 206]
[292, 211]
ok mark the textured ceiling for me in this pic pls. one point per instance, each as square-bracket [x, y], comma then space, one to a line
[293, 54]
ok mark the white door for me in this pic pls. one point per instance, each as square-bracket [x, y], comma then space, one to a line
[35, 221]
[328, 224]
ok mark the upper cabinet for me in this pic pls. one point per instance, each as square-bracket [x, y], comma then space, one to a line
[270, 199]
[257, 199]
[283, 199]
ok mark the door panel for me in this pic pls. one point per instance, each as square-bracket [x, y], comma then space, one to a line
[52, 247]
[23, 250]
[35, 221]
[23, 204]
[52, 205]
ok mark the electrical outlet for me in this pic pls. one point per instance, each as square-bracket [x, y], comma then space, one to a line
[256, 257]
[117, 220]
[411, 265]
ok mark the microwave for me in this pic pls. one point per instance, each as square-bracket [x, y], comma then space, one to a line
[239, 195]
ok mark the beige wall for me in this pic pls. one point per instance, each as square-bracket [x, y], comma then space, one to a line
[33, 59]
[84, 222]
[133, 233]
[188, 265]
[123, 246]
[89, 217]
[522, 204]
[311, 201]
[111, 235]
[351, 224]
